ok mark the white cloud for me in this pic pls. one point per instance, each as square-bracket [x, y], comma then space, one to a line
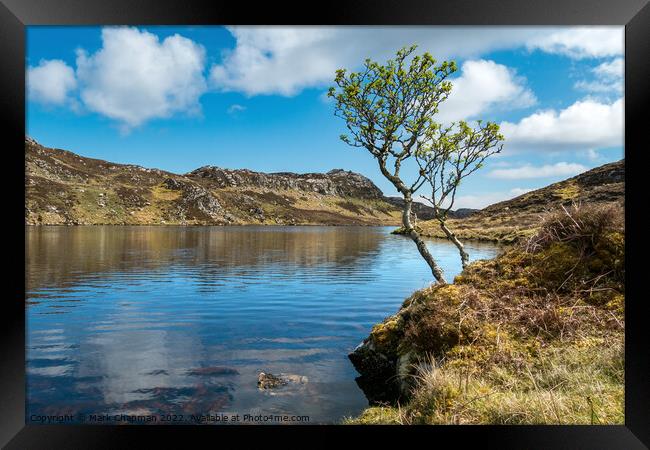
[520, 191]
[51, 82]
[598, 87]
[586, 124]
[611, 69]
[480, 201]
[560, 169]
[500, 163]
[236, 108]
[608, 78]
[581, 42]
[275, 60]
[594, 156]
[284, 60]
[481, 86]
[134, 77]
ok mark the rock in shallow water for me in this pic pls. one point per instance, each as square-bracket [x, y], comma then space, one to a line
[383, 366]
[270, 381]
[377, 380]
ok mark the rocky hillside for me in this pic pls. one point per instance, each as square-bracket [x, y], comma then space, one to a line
[509, 220]
[65, 188]
[336, 182]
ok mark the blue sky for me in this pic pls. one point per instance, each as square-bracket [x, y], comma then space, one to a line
[178, 98]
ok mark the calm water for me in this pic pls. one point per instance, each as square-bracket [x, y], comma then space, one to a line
[174, 320]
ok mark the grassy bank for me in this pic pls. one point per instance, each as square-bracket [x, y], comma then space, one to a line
[535, 336]
[520, 218]
[480, 228]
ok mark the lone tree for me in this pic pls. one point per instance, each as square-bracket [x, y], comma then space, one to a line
[388, 110]
[449, 155]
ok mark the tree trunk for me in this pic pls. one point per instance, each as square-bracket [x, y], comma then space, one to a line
[422, 248]
[464, 257]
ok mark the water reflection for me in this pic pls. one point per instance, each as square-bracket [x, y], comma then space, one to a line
[57, 255]
[181, 320]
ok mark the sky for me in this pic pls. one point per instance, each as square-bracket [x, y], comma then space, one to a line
[178, 98]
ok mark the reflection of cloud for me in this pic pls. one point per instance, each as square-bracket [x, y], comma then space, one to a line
[272, 356]
[51, 371]
[132, 361]
[287, 340]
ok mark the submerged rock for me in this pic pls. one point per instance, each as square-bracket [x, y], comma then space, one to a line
[270, 381]
[212, 371]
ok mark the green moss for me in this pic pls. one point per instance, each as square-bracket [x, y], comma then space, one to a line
[567, 192]
[387, 333]
[440, 320]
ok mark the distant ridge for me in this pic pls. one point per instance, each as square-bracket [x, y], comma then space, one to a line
[426, 212]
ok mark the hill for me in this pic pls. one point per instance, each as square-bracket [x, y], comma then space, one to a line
[519, 217]
[65, 188]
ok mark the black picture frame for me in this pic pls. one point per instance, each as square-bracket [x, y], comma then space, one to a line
[15, 15]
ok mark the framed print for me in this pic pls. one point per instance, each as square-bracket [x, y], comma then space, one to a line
[384, 219]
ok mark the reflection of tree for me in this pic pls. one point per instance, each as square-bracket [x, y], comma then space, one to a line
[57, 256]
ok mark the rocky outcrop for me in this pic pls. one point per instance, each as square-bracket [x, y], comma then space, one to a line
[335, 182]
[382, 362]
[602, 184]
[462, 213]
[195, 202]
[422, 211]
